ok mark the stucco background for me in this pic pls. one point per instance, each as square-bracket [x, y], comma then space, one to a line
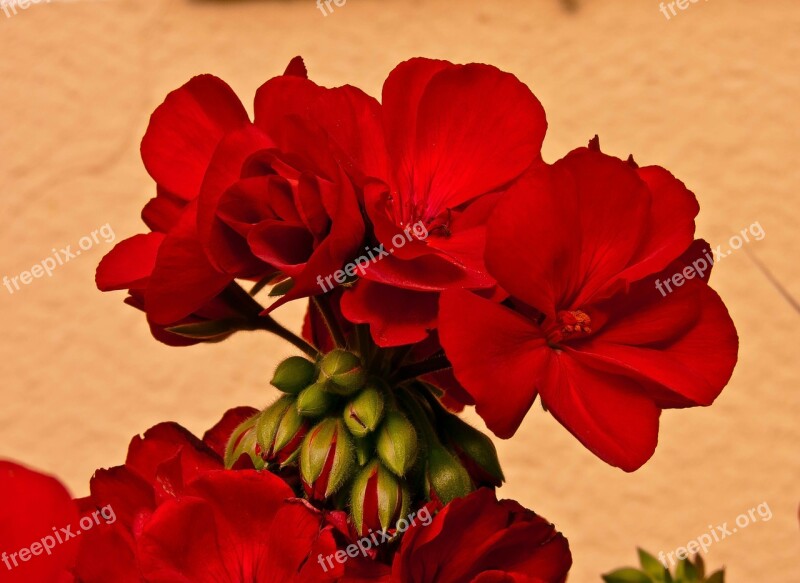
[711, 94]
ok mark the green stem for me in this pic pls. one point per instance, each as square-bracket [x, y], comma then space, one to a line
[270, 325]
[330, 320]
[412, 371]
[245, 304]
[401, 354]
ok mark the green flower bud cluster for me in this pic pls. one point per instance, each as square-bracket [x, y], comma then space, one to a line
[361, 444]
[653, 571]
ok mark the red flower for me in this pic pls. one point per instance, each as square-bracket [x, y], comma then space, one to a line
[479, 539]
[33, 512]
[181, 517]
[229, 527]
[445, 140]
[159, 467]
[275, 199]
[580, 246]
[166, 270]
[236, 199]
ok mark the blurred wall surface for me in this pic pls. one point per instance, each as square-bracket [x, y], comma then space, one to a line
[711, 93]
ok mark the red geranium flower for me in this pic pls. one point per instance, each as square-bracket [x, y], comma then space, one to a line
[236, 526]
[579, 246]
[236, 199]
[166, 270]
[481, 540]
[158, 468]
[431, 160]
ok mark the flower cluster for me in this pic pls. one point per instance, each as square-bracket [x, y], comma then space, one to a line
[182, 518]
[493, 278]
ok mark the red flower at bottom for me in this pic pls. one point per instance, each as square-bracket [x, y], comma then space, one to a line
[34, 509]
[236, 527]
[480, 540]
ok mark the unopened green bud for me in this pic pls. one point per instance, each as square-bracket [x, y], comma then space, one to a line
[280, 431]
[341, 372]
[397, 443]
[243, 440]
[326, 459]
[294, 374]
[445, 478]
[379, 499]
[363, 414]
[315, 401]
[476, 451]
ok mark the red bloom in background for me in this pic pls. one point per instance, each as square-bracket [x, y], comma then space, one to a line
[35, 506]
[479, 539]
[435, 153]
[159, 467]
[235, 526]
[179, 516]
[166, 271]
[579, 247]
[236, 199]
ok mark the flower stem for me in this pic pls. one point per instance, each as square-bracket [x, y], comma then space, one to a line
[243, 302]
[270, 325]
[330, 320]
[412, 371]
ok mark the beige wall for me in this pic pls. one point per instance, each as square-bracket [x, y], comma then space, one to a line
[712, 94]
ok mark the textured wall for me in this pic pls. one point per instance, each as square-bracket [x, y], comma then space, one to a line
[711, 94]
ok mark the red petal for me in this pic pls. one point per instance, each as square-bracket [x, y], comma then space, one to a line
[496, 354]
[610, 414]
[684, 341]
[182, 282]
[215, 532]
[217, 437]
[576, 226]
[487, 146]
[671, 224]
[477, 538]
[395, 316]
[281, 98]
[286, 246]
[163, 212]
[130, 263]
[227, 250]
[402, 93]
[296, 68]
[352, 122]
[184, 132]
[33, 504]
[431, 103]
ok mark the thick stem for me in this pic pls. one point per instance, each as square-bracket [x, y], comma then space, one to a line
[270, 325]
[245, 304]
[330, 320]
[412, 371]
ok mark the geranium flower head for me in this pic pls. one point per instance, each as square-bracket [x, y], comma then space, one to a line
[579, 246]
[478, 538]
[447, 139]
